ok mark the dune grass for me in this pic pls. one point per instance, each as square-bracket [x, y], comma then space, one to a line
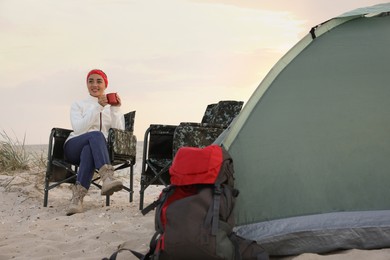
[14, 156]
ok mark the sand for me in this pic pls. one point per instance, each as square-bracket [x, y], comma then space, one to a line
[30, 231]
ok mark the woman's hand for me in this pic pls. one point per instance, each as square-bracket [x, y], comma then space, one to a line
[102, 100]
[119, 101]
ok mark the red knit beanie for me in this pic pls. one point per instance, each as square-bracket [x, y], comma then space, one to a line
[99, 72]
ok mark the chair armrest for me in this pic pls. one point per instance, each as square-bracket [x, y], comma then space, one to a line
[61, 132]
[122, 145]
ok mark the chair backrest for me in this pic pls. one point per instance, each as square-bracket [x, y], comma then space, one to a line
[160, 142]
[195, 135]
[208, 114]
[159, 150]
[222, 113]
[129, 121]
[58, 137]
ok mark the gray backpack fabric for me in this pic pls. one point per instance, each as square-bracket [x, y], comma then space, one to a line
[194, 215]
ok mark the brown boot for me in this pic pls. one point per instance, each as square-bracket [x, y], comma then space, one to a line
[110, 184]
[76, 204]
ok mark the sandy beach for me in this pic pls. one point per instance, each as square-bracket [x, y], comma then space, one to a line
[30, 231]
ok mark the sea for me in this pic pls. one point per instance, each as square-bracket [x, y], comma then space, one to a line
[37, 148]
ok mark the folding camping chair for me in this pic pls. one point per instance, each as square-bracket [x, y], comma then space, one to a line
[122, 151]
[216, 119]
[157, 157]
[162, 141]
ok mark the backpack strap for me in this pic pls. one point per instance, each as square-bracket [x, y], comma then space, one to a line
[150, 207]
[115, 254]
[156, 239]
[157, 202]
[212, 216]
[152, 246]
[165, 194]
[216, 204]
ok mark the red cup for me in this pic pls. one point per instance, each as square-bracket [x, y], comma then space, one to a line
[112, 98]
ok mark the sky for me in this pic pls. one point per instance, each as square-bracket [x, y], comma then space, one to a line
[167, 59]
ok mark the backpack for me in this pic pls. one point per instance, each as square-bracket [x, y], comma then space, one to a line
[194, 215]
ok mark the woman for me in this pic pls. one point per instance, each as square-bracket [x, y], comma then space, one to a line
[86, 146]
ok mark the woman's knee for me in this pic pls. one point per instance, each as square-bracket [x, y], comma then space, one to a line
[97, 135]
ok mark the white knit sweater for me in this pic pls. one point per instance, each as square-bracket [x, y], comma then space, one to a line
[88, 115]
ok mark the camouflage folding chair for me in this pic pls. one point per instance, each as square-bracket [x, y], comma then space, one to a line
[121, 147]
[157, 157]
[162, 141]
[216, 119]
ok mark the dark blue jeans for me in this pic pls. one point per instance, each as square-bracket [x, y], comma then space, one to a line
[88, 151]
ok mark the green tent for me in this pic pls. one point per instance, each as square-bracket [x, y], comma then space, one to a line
[311, 147]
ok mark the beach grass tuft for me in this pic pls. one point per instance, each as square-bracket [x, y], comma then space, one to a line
[13, 155]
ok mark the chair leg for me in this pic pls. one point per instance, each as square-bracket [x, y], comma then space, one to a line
[107, 200]
[46, 193]
[131, 183]
[45, 198]
[141, 198]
